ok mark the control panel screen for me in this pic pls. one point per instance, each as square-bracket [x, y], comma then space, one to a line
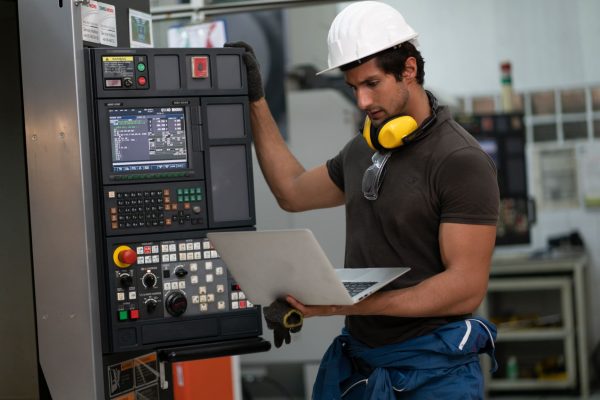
[149, 139]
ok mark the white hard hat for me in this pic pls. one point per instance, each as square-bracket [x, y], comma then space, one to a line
[363, 29]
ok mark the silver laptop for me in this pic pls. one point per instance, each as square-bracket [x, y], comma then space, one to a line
[272, 264]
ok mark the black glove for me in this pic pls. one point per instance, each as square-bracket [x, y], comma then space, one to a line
[255, 87]
[283, 319]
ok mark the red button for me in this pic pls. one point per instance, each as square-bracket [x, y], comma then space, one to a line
[199, 67]
[128, 256]
[134, 314]
[142, 81]
[242, 303]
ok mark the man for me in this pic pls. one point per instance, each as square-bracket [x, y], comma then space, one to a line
[427, 199]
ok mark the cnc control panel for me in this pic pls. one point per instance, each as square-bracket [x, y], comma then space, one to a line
[172, 144]
[158, 281]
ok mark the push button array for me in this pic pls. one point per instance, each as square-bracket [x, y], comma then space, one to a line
[137, 209]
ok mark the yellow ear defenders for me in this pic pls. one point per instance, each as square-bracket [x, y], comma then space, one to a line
[390, 134]
[399, 130]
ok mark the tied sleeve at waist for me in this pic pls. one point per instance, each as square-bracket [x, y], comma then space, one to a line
[400, 366]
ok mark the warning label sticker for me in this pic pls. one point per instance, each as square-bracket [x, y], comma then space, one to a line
[134, 379]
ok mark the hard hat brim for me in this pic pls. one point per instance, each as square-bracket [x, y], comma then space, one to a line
[412, 39]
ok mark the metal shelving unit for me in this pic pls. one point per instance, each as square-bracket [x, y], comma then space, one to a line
[539, 309]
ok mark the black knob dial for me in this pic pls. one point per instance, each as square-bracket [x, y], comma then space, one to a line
[126, 280]
[151, 305]
[127, 82]
[180, 272]
[149, 280]
[176, 303]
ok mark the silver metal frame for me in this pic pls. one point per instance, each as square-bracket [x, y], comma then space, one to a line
[187, 10]
[56, 129]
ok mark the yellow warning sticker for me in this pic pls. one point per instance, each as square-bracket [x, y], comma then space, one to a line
[117, 58]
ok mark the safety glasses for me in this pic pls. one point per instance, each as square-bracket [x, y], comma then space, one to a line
[373, 176]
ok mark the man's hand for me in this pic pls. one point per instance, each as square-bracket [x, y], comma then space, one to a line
[255, 87]
[283, 320]
[318, 311]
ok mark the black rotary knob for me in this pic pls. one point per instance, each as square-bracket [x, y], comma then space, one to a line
[180, 272]
[126, 280]
[149, 280]
[176, 303]
[151, 305]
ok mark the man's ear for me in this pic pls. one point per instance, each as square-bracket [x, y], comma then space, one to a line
[410, 69]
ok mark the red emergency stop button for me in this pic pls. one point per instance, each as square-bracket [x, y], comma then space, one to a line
[142, 81]
[124, 256]
[199, 67]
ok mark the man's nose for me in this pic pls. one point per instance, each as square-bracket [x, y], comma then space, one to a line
[363, 99]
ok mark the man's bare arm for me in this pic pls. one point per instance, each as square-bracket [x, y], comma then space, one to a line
[466, 252]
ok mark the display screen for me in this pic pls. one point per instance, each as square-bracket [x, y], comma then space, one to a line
[148, 139]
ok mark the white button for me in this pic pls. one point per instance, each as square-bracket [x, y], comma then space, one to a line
[181, 246]
[182, 285]
[165, 248]
[219, 271]
[234, 305]
[204, 307]
[193, 267]
[156, 259]
[214, 254]
[120, 296]
[148, 259]
[203, 298]
[140, 260]
[132, 295]
[167, 286]
[207, 254]
[208, 265]
[221, 305]
[206, 245]
[173, 257]
[209, 278]
[234, 296]
[210, 297]
[197, 246]
[190, 255]
[140, 250]
[198, 255]
[189, 246]
[202, 290]
[111, 194]
[248, 304]
[194, 279]
[155, 249]
[172, 247]
[183, 256]
[195, 299]
[241, 295]
[220, 288]
[165, 258]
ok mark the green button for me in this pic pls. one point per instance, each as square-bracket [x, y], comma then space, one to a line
[199, 197]
[122, 315]
[193, 197]
[179, 199]
[186, 198]
[186, 191]
[179, 191]
[141, 67]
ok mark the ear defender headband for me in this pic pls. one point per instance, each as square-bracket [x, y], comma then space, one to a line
[399, 130]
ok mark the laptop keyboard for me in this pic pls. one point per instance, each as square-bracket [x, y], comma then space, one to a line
[356, 287]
